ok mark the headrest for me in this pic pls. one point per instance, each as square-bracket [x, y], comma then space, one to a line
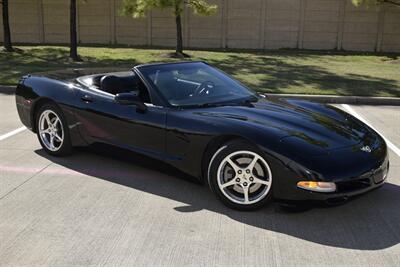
[110, 84]
[114, 84]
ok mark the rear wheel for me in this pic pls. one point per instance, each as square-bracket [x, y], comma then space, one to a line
[52, 130]
[240, 176]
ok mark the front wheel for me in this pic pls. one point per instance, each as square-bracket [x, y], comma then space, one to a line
[240, 176]
[52, 130]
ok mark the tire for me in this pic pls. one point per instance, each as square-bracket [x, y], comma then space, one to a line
[250, 173]
[54, 139]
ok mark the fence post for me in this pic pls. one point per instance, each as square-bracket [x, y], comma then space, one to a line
[224, 28]
[149, 28]
[342, 12]
[381, 24]
[186, 19]
[263, 21]
[300, 35]
[40, 21]
[113, 34]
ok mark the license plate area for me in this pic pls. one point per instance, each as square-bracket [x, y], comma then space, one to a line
[380, 175]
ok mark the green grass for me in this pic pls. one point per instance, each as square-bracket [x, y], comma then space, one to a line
[300, 72]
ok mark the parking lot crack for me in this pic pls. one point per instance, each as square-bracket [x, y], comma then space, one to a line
[24, 182]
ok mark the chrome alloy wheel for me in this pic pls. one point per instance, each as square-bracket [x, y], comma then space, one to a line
[244, 177]
[51, 130]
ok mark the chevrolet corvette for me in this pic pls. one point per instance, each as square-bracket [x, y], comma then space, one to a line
[249, 148]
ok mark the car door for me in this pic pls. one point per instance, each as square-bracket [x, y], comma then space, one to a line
[102, 119]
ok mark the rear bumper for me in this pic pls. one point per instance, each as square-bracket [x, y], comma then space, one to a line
[24, 106]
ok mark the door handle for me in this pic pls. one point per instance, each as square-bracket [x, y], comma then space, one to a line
[87, 99]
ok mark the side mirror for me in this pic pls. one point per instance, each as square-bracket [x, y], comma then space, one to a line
[130, 99]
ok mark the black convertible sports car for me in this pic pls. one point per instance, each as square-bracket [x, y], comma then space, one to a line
[246, 147]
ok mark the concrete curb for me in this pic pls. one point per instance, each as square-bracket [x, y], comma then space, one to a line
[354, 100]
[7, 89]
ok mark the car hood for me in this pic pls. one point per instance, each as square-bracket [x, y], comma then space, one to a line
[305, 126]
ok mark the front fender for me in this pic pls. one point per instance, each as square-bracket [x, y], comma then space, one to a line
[189, 136]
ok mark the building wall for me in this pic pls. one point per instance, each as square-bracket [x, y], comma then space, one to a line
[249, 24]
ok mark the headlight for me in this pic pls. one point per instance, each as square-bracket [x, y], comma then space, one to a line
[324, 187]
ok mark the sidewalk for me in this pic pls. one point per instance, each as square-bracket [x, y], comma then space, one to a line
[352, 100]
[7, 89]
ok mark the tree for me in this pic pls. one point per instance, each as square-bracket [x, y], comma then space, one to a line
[6, 27]
[139, 8]
[73, 46]
[375, 2]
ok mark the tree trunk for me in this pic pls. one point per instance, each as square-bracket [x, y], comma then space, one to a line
[179, 45]
[73, 52]
[6, 28]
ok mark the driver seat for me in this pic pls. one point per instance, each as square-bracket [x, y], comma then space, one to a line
[114, 85]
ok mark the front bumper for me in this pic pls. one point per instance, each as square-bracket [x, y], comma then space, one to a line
[359, 187]
[345, 188]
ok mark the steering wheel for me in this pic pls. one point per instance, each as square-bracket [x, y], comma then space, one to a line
[203, 88]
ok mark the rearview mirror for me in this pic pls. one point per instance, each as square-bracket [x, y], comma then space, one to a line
[130, 99]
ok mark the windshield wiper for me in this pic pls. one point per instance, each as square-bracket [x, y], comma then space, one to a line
[248, 101]
[252, 99]
[209, 105]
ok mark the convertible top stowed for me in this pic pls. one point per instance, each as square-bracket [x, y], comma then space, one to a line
[247, 148]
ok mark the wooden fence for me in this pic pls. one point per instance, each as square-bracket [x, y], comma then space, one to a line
[251, 24]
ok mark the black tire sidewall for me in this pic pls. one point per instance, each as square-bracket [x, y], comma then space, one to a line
[66, 147]
[219, 155]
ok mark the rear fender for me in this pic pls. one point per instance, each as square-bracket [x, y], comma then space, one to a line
[32, 92]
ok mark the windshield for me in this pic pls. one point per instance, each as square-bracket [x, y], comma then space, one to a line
[194, 84]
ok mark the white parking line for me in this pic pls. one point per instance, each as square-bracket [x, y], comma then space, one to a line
[16, 131]
[349, 109]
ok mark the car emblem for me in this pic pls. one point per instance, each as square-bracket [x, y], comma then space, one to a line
[366, 149]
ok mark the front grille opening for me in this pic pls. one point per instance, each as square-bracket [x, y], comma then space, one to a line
[353, 185]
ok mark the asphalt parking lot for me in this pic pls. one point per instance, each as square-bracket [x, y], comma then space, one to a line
[93, 208]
